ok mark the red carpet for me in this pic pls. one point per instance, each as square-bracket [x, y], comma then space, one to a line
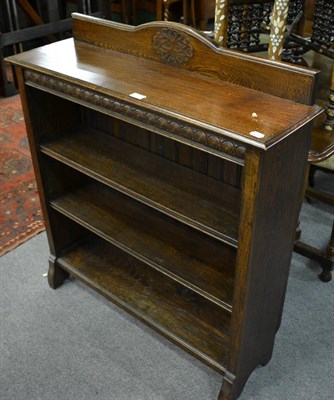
[20, 212]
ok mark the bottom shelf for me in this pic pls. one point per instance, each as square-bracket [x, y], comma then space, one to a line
[193, 322]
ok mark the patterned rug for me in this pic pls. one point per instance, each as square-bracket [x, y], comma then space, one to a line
[20, 212]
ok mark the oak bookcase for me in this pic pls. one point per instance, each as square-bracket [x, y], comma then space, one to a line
[171, 176]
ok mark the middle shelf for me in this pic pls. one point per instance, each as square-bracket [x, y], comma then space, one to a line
[195, 260]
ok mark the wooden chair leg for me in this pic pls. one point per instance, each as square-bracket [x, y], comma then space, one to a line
[330, 247]
[325, 259]
[322, 148]
[159, 10]
[193, 13]
[185, 12]
[326, 274]
[125, 16]
[7, 88]
[316, 255]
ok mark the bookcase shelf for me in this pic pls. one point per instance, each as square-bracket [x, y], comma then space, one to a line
[180, 314]
[196, 261]
[179, 206]
[164, 185]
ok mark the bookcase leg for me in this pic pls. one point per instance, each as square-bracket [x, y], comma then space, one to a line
[56, 275]
[229, 390]
[233, 385]
[226, 391]
[267, 358]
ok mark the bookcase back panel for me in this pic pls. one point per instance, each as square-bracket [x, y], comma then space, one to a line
[191, 257]
[187, 156]
[66, 115]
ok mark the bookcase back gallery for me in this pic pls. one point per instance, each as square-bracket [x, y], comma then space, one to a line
[171, 177]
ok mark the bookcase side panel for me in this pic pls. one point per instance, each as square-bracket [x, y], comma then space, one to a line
[34, 153]
[273, 190]
[44, 118]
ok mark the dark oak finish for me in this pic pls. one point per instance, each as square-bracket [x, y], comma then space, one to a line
[198, 263]
[166, 186]
[180, 207]
[178, 313]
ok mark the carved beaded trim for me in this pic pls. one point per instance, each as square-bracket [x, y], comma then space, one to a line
[172, 46]
[151, 118]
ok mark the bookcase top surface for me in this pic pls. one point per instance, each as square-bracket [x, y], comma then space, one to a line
[230, 110]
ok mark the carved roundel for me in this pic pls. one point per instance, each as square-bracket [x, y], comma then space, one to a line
[172, 47]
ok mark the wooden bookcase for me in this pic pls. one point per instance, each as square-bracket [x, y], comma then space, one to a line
[180, 206]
